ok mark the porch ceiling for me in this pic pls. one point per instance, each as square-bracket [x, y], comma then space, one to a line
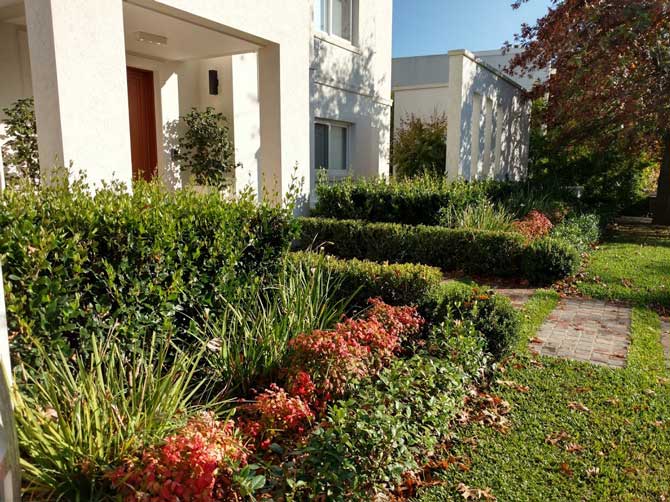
[185, 40]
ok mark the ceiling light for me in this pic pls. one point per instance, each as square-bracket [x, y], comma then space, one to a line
[150, 38]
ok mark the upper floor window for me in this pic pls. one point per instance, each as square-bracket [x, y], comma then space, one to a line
[334, 17]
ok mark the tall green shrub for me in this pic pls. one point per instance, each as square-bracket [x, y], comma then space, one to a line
[19, 152]
[420, 146]
[78, 264]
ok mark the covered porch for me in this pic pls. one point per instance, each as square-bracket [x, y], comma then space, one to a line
[110, 80]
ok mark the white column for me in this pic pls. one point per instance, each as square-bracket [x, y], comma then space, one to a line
[246, 121]
[77, 58]
[284, 118]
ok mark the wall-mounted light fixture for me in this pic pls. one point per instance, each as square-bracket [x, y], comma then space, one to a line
[150, 38]
[213, 83]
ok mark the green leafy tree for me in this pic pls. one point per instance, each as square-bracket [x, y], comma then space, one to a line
[205, 148]
[611, 77]
[20, 150]
[419, 146]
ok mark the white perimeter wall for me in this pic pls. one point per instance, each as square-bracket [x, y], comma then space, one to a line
[488, 116]
[352, 83]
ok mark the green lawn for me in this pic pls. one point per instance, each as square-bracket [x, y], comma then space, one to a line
[633, 265]
[575, 431]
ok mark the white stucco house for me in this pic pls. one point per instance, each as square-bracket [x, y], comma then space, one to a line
[488, 114]
[304, 84]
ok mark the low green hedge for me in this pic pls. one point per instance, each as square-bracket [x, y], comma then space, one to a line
[484, 252]
[77, 265]
[396, 284]
[492, 315]
[421, 285]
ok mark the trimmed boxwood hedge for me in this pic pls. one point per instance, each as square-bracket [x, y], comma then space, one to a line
[422, 286]
[484, 252]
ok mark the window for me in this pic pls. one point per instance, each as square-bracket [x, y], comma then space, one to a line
[331, 146]
[334, 17]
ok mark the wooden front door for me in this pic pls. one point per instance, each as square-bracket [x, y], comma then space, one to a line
[142, 123]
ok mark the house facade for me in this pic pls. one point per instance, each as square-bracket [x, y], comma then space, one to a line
[487, 111]
[304, 84]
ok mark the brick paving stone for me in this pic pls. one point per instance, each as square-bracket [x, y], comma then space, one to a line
[588, 330]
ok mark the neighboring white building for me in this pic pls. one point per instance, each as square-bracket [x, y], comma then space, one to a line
[488, 114]
[303, 83]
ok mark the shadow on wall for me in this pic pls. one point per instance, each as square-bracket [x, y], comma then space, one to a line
[345, 87]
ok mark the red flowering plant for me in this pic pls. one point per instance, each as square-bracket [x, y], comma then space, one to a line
[275, 413]
[197, 464]
[323, 364]
[534, 225]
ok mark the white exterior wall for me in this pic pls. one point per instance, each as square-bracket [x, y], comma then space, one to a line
[351, 83]
[422, 102]
[488, 115]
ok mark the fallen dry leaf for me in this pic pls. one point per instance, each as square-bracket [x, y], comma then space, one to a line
[566, 469]
[469, 493]
[556, 437]
[513, 385]
[574, 448]
[574, 405]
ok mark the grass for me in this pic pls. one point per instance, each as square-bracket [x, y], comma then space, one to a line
[576, 431]
[632, 265]
[536, 309]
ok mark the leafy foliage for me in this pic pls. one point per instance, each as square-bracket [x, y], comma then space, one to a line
[78, 264]
[420, 146]
[19, 152]
[396, 284]
[480, 216]
[76, 418]
[547, 259]
[205, 147]
[248, 339]
[534, 225]
[580, 231]
[474, 251]
[611, 78]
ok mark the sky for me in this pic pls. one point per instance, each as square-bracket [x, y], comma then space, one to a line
[423, 27]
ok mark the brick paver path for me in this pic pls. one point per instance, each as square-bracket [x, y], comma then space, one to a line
[586, 330]
[665, 339]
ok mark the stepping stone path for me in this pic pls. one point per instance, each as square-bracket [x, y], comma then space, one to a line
[586, 330]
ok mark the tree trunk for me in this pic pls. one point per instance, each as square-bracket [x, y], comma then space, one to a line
[662, 206]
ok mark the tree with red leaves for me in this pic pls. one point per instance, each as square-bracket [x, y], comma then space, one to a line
[610, 82]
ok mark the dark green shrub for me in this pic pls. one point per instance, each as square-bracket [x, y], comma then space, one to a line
[420, 146]
[396, 284]
[386, 429]
[205, 147]
[492, 315]
[412, 202]
[20, 150]
[547, 260]
[579, 231]
[459, 342]
[77, 265]
[474, 251]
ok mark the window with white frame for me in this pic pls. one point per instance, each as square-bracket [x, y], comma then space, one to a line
[335, 17]
[331, 145]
